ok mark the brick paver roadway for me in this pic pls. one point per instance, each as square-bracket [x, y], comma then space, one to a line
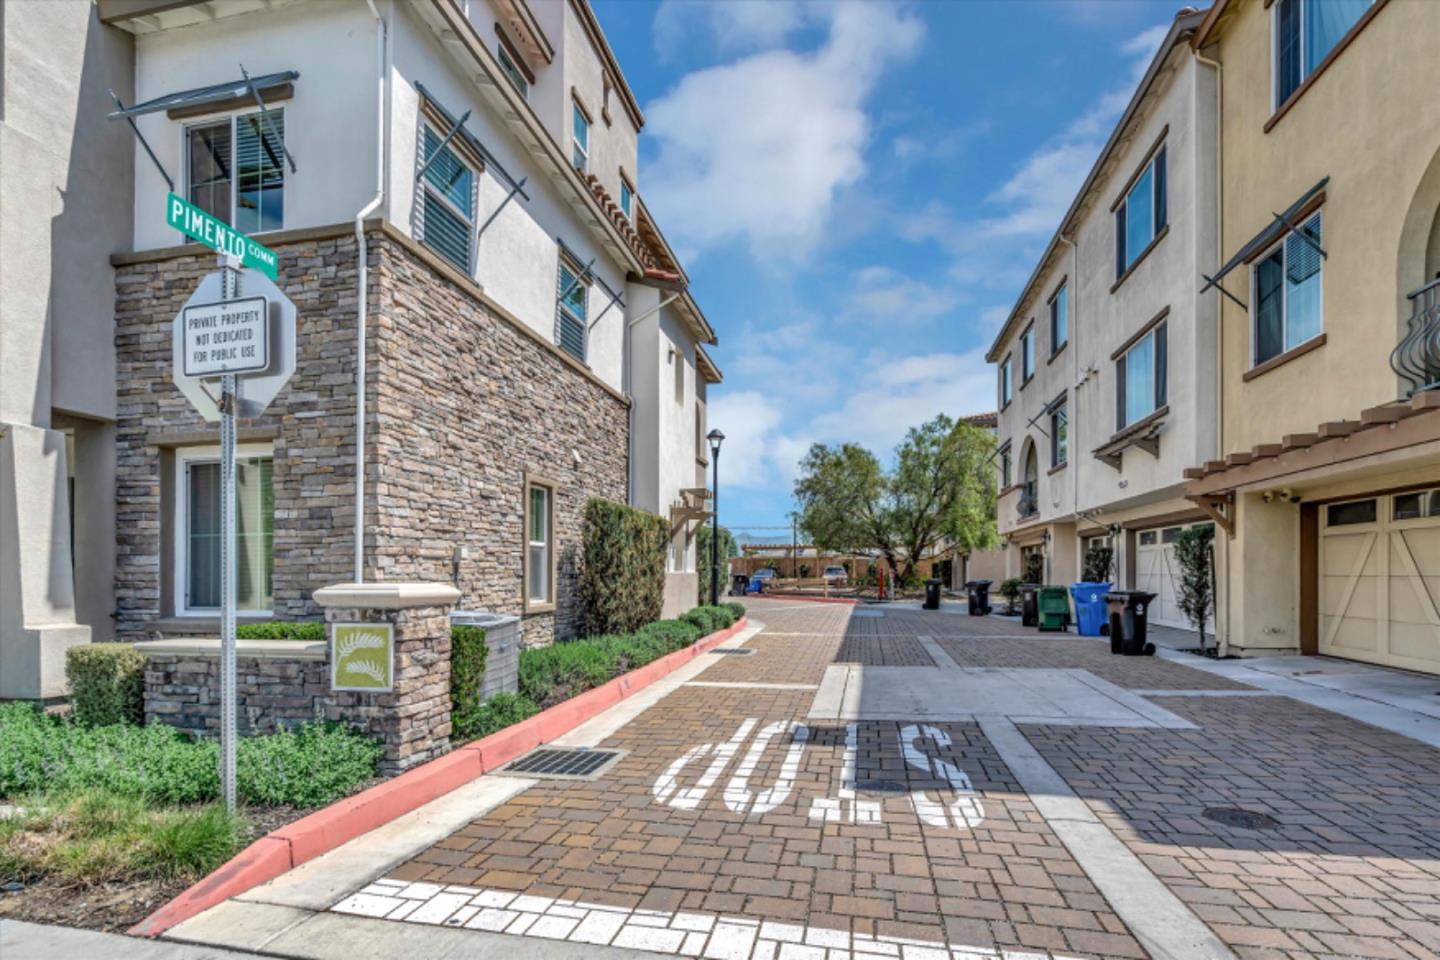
[771, 808]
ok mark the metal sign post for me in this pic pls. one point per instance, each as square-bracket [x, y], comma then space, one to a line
[229, 291]
[247, 345]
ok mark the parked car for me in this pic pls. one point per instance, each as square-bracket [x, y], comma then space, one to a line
[836, 575]
[760, 578]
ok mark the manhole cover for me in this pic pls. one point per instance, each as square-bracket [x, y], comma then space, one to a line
[1243, 819]
[883, 787]
[579, 763]
[734, 651]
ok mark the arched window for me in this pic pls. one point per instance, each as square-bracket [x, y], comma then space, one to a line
[1029, 502]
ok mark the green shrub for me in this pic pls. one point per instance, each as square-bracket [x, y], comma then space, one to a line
[736, 609]
[468, 651]
[107, 683]
[281, 630]
[497, 713]
[558, 672]
[676, 633]
[309, 766]
[710, 619]
[634, 650]
[622, 567]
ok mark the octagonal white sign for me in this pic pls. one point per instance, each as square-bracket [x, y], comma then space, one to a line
[258, 388]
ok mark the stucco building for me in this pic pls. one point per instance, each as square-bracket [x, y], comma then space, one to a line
[1327, 487]
[1106, 364]
[459, 181]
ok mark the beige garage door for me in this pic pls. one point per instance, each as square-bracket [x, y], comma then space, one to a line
[1156, 572]
[1379, 579]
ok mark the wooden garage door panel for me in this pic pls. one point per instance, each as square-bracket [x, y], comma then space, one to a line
[1351, 635]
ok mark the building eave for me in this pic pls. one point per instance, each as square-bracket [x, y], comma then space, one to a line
[1183, 27]
[458, 37]
[602, 47]
[707, 366]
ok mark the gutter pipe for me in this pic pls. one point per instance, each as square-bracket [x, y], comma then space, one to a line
[1222, 639]
[382, 36]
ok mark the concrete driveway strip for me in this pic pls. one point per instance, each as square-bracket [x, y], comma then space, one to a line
[35, 941]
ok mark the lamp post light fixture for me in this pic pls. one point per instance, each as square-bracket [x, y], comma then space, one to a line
[716, 438]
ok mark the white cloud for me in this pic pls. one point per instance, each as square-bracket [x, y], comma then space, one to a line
[756, 150]
[732, 26]
[886, 297]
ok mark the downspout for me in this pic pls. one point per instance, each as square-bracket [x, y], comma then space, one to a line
[1222, 639]
[1071, 331]
[362, 277]
[630, 391]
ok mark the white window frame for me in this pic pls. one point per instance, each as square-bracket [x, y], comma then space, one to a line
[1059, 316]
[627, 198]
[1132, 253]
[1007, 388]
[1155, 374]
[210, 120]
[180, 525]
[536, 605]
[1284, 294]
[578, 111]
[427, 187]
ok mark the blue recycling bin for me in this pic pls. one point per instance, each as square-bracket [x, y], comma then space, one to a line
[1090, 610]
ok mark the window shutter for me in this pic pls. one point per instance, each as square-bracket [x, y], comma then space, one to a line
[1119, 240]
[1120, 394]
[1161, 211]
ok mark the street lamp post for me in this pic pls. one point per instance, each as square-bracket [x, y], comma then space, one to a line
[716, 438]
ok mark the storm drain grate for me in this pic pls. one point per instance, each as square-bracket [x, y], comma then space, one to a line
[578, 763]
[1243, 819]
[734, 651]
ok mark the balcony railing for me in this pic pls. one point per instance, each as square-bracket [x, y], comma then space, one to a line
[1028, 505]
[1417, 357]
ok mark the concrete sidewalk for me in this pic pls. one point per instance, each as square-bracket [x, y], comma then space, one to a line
[33, 941]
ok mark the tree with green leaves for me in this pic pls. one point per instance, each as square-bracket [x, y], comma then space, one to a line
[728, 548]
[941, 487]
[1194, 552]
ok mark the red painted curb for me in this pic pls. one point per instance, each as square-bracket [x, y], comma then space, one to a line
[327, 828]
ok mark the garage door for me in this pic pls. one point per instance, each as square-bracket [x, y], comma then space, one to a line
[1156, 572]
[1379, 579]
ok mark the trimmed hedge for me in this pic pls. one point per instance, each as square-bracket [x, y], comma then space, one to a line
[497, 713]
[468, 653]
[107, 683]
[281, 630]
[737, 610]
[553, 674]
[622, 567]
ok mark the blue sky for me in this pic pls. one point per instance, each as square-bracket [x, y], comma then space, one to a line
[858, 191]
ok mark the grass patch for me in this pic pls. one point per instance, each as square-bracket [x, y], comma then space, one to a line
[96, 837]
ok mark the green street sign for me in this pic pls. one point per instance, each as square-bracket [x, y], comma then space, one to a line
[362, 657]
[219, 235]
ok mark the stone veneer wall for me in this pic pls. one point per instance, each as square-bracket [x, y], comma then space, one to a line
[462, 404]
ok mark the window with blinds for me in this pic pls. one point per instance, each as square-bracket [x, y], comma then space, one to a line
[570, 314]
[1286, 298]
[447, 202]
[235, 171]
[254, 537]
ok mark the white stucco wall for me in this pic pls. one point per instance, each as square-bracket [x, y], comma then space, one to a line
[1102, 317]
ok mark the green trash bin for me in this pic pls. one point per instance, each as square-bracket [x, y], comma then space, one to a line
[1054, 604]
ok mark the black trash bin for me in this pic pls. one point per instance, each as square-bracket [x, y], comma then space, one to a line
[932, 594]
[977, 594]
[1129, 610]
[1029, 605]
[738, 583]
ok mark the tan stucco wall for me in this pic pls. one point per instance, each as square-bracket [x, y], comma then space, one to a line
[1372, 124]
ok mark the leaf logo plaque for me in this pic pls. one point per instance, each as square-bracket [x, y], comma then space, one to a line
[362, 657]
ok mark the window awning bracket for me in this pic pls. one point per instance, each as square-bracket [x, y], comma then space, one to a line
[1278, 227]
[614, 299]
[580, 276]
[269, 124]
[444, 142]
[517, 188]
[1213, 282]
[143, 142]
[1290, 227]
